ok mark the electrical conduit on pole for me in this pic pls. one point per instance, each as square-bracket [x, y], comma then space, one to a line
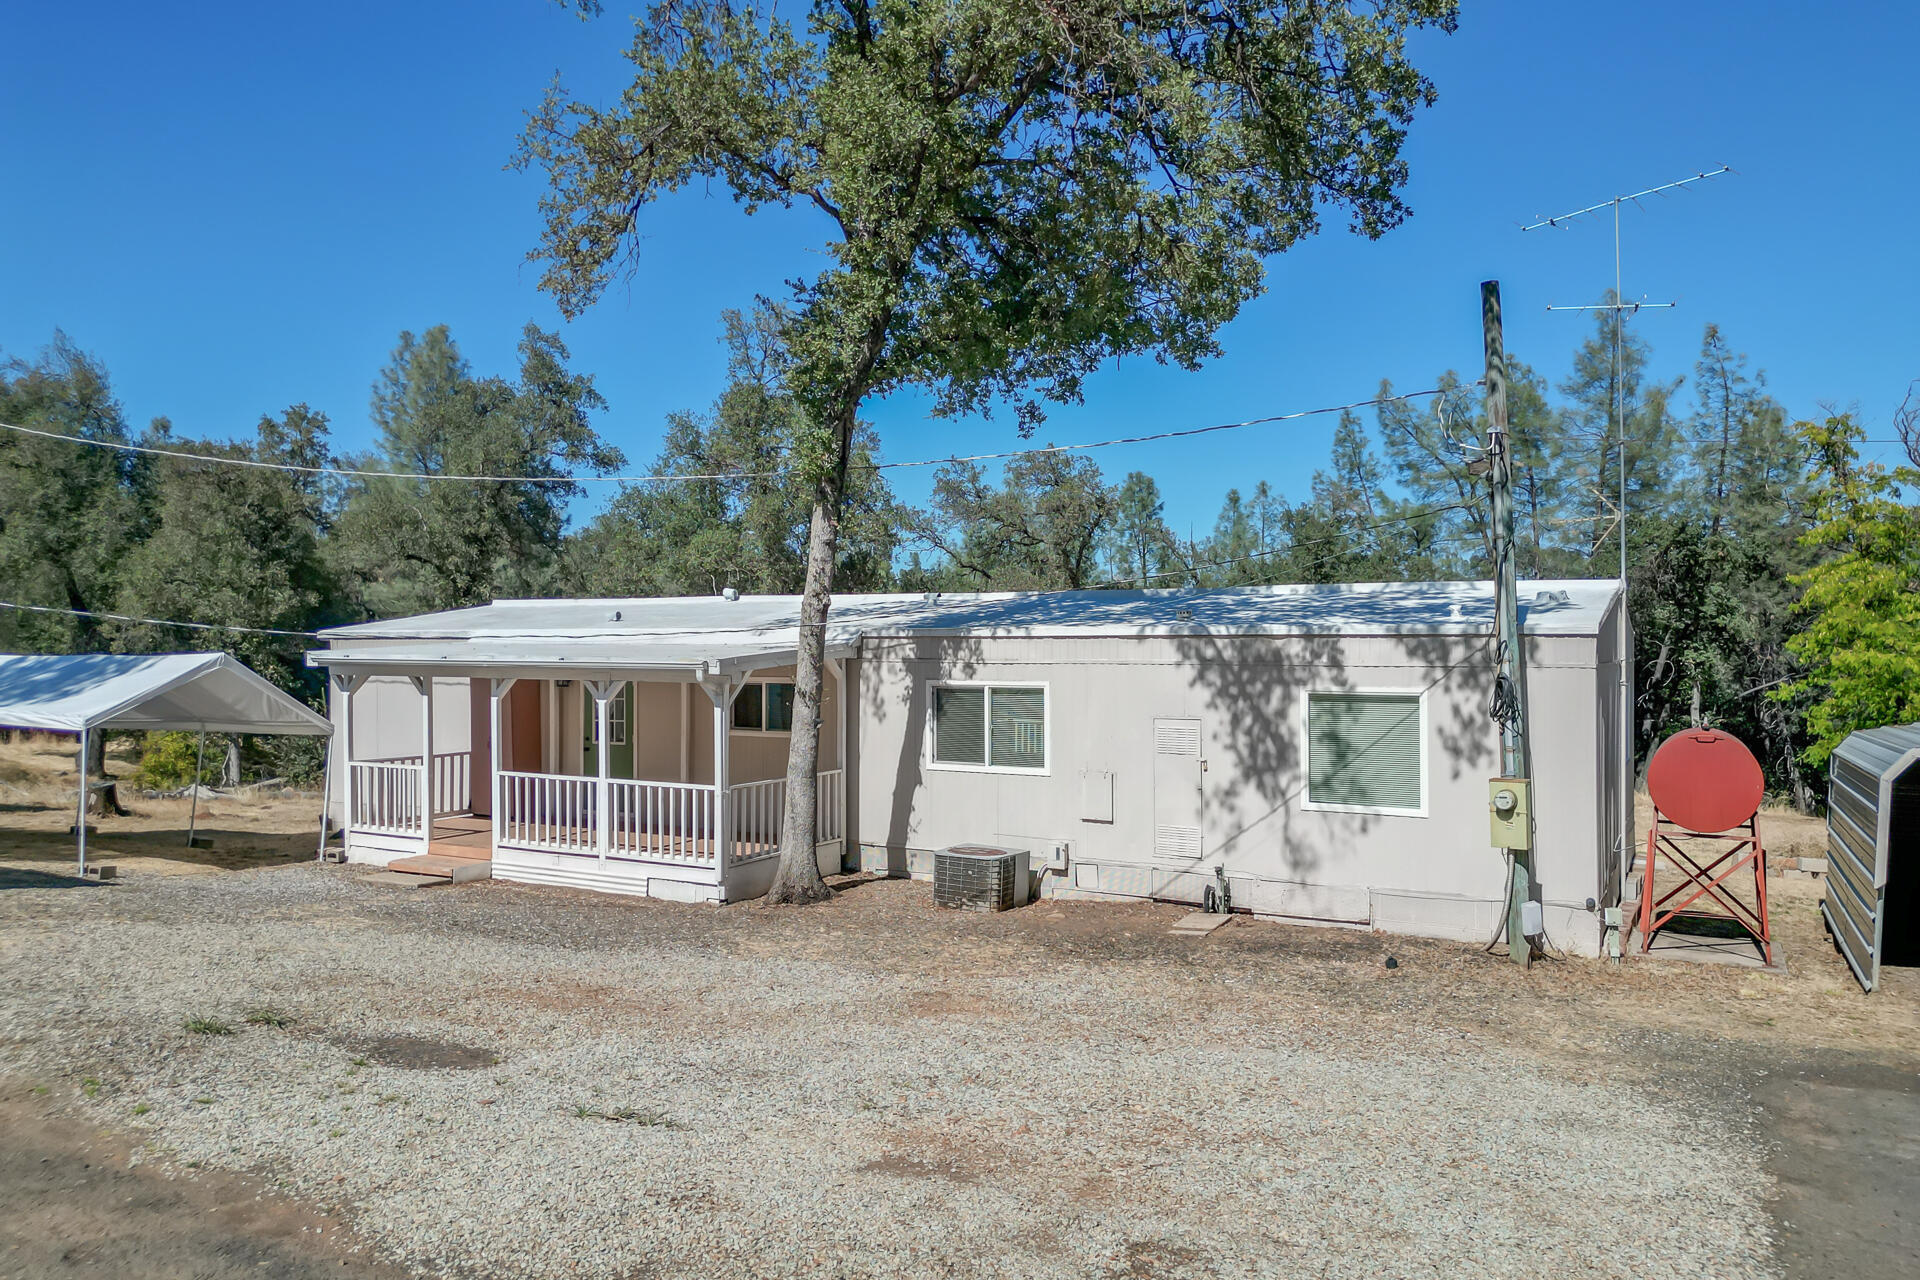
[1509, 682]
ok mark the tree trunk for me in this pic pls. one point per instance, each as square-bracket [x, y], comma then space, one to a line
[797, 879]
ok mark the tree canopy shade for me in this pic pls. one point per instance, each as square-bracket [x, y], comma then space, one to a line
[1012, 194]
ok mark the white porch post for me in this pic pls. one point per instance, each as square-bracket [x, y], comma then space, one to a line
[603, 691]
[499, 691]
[722, 693]
[425, 685]
[345, 685]
[686, 732]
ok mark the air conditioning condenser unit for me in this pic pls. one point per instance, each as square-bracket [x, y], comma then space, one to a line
[979, 877]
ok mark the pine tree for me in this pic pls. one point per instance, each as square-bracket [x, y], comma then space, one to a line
[1588, 455]
[419, 545]
[1142, 550]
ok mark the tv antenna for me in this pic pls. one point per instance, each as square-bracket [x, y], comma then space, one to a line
[1620, 307]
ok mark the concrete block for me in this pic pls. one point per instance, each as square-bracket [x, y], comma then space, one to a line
[471, 871]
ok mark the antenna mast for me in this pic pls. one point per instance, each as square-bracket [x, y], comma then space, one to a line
[1620, 307]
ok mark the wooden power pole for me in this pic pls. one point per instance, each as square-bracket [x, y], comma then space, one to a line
[1512, 804]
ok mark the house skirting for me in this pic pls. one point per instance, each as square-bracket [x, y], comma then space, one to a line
[1571, 928]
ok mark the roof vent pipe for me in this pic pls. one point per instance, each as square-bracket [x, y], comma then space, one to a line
[729, 593]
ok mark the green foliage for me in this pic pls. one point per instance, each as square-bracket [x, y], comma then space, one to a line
[1861, 645]
[167, 760]
[1044, 528]
[237, 546]
[414, 545]
[1014, 194]
[1142, 549]
[67, 513]
[743, 527]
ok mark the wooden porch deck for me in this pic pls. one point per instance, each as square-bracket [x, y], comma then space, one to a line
[468, 839]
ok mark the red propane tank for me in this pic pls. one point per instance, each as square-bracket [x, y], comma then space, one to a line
[1705, 780]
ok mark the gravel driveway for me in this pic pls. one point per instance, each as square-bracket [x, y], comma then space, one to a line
[497, 1080]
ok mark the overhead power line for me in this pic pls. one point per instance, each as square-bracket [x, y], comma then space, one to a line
[102, 616]
[361, 473]
[155, 622]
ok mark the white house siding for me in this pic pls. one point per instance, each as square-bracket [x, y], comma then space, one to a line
[1434, 875]
[386, 722]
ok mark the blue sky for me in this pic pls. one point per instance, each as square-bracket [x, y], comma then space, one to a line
[239, 207]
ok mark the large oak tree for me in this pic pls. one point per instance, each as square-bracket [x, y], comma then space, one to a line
[1011, 194]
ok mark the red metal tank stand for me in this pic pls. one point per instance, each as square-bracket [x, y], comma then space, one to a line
[1742, 849]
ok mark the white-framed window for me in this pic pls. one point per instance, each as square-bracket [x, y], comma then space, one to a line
[616, 713]
[764, 707]
[988, 728]
[1366, 751]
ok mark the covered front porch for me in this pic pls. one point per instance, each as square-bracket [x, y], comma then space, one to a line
[667, 780]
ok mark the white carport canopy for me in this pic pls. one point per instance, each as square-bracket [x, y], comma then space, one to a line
[84, 692]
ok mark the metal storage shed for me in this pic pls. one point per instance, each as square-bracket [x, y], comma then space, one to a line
[1873, 866]
[83, 692]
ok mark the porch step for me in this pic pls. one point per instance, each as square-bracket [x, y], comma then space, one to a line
[450, 867]
[400, 880]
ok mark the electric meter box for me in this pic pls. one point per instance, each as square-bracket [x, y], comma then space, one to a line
[1510, 806]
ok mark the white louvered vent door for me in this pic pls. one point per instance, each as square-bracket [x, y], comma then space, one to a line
[1176, 792]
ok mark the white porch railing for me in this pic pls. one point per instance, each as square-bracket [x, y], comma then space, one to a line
[830, 817]
[452, 779]
[452, 782]
[386, 797]
[760, 808]
[653, 821]
[547, 811]
[663, 821]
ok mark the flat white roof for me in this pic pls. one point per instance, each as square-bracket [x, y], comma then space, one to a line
[711, 633]
[70, 692]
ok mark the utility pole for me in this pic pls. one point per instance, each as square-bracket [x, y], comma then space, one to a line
[1509, 699]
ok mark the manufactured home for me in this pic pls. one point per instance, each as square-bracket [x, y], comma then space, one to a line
[1320, 752]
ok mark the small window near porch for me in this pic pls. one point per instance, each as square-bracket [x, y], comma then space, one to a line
[616, 712]
[764, 708]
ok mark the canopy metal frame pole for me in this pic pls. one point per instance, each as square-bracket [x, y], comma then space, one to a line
[193, 787]
[80, 815]
[326, 796]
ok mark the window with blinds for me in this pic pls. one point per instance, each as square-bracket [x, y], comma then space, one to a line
[990, 726]
[1366, 751]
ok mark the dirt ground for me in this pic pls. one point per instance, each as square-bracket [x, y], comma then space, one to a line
[247, 829]
[1830, 1073]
